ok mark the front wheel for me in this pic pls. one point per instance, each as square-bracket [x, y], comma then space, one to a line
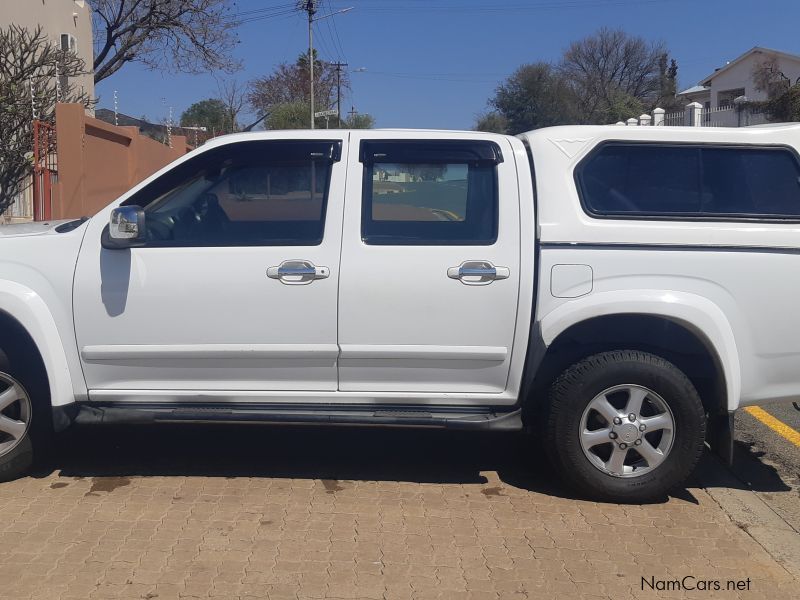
[16, 415]
[624, 426]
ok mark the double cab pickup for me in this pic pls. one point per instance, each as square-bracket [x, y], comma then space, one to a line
[618, 292]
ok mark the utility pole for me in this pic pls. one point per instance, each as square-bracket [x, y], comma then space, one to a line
[338, 66]
[310, 6]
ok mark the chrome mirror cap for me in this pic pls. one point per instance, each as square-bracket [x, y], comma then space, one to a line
[126, 228]
[126, 223]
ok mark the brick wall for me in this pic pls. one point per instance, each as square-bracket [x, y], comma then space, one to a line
[98, 162]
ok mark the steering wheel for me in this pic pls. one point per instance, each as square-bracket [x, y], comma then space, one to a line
[203, 203]
[158, 228]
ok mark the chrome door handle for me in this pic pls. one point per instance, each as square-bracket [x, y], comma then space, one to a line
[297, 272]
[289, 271]
[478, 272]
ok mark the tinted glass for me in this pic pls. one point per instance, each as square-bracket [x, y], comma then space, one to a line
[760, 182]
[642, 179]
[419, 192]
[639, 179]
[267, 193]
[429, 203]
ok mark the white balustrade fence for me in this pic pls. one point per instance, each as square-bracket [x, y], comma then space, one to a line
[674, 119]
[695, 115]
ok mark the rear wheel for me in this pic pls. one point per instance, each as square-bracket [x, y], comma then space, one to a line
[624, 426]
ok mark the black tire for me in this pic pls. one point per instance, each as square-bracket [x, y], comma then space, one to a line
[33, 447]
[572, 392]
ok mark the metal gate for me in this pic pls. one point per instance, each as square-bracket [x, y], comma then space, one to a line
[45, 169]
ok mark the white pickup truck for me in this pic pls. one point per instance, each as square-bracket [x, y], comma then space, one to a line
[615, 290]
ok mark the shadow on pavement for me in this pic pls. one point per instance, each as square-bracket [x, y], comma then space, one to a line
[756, 474]
[749, 472]
[335, 454]
[414, 455]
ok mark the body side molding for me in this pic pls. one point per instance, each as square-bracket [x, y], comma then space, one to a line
[208, 351]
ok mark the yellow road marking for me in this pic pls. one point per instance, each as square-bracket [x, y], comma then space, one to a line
[778, 426]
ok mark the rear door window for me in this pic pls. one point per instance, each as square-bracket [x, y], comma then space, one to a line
[430, 192]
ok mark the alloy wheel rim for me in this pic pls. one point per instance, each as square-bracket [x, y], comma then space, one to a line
[627, 431]
[15, 413]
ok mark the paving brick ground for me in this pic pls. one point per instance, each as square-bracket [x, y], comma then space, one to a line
[253, 512]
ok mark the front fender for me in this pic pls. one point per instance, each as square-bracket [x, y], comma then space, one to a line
[696, 313]
[31, 311]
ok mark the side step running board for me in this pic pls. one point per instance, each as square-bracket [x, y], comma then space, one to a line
[459, 418]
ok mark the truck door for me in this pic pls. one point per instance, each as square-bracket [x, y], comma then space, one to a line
[235, 289]
[430, 264]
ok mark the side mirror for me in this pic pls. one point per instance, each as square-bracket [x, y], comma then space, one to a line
[126, 228]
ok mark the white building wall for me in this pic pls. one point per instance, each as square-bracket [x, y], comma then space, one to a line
[56, 17]
[740, 75]
[701, 97]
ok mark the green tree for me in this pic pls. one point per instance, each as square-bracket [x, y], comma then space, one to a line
[535, 96]
[603, 78]
[612, 70]
[669, 84]
[359, 121]
[768, 77]
[621, 107]
[294, 115]
[289, 83]
[285, 92]
[783, 95]
[288, 115]
[784, 108]
[211, 114]
[492, 122]
[34, 73]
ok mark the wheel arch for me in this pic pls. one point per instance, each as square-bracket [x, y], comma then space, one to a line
[24, 313]
[679, 326]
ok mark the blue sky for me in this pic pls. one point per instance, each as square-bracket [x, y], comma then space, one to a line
[434, 63]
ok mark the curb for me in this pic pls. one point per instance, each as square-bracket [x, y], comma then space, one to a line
[750, 513]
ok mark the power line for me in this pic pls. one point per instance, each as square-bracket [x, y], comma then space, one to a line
[311, 7]
[286, 10]
[443, 77]
[260, 14]
[238, 22]
[461, 7]
[343, 55]
[326, 44]
[333, 52]
[330, 39]
[273, 7]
